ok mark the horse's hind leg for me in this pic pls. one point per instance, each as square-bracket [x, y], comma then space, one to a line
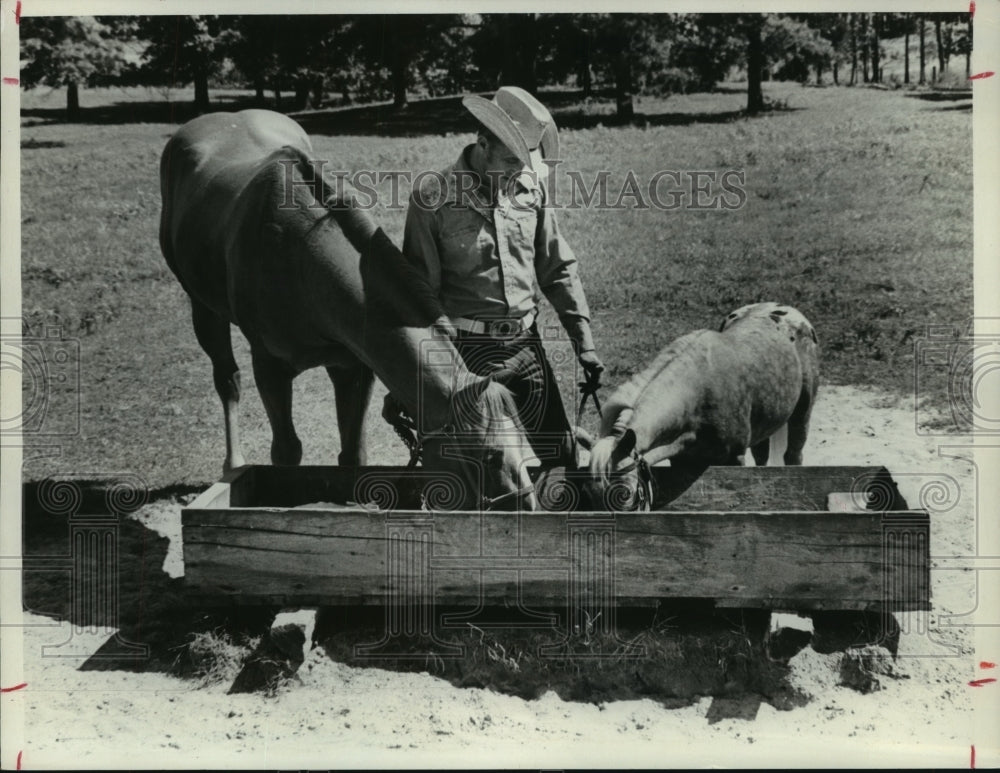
[274, 383]
[353, 387]
[212, 332]
[798, 429]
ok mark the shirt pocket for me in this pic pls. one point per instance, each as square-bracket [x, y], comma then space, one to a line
[461, 246]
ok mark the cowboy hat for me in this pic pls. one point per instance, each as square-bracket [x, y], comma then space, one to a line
[520, 122]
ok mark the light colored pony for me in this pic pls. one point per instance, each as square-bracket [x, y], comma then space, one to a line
[708, 396]
[258, 238]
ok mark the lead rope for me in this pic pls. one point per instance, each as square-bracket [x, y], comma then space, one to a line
[588, 388]
[404, 426]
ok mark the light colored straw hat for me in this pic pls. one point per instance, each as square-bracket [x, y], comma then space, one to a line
[520, 122]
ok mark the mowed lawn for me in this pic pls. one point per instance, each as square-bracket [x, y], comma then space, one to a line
[858, 212]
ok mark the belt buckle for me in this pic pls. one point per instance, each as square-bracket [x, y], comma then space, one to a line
[502, 328]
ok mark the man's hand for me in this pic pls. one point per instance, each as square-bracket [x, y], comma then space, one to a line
[592, 366]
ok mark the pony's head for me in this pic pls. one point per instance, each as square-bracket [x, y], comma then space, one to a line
[619, 476]
[484, 450]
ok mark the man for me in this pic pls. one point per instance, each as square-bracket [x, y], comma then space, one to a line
[484, 239]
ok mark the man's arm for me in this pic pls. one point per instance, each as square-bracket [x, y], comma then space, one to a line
[556, 269]
[420, 242]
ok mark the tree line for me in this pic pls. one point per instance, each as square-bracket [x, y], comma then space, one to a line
[300, 62]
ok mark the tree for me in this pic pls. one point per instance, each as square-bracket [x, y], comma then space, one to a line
[69, 51]
[184, 49]
[876, 59]
[923, 77]
[797, 42]
[854, 49]
[906, 55]
[755, 64]
[396, 41]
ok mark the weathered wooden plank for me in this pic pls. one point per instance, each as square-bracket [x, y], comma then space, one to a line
[771, 488]
[716, 488]
[778, 560]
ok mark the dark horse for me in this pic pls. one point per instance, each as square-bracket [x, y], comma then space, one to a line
[259, 239]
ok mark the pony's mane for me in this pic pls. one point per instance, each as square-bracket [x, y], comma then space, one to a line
[499, 415]
[629, 394]
[601, 464]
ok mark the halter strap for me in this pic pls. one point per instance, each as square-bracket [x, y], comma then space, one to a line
[487, 503]
[644, 491]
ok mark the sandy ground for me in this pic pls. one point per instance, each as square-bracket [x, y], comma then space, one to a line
[339, 716]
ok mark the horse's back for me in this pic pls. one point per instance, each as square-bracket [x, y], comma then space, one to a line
[760, 321]
[213, 193]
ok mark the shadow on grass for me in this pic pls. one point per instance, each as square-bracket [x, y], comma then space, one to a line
[434, 116]
[90, 564]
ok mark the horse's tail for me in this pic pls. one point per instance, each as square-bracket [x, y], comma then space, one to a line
[354, 222]
[601, 459]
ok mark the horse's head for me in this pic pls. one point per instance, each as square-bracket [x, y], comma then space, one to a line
[485, 448]
[619, 476]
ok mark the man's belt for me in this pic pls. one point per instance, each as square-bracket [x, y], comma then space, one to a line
[495, 328]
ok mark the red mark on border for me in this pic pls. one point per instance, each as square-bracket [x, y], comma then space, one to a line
[972, 758]
[11, 81]
[17, 12]
[972, 8]
[987, 664]
[981, 682]
[15, 687]
[980, 75]
[19, 753]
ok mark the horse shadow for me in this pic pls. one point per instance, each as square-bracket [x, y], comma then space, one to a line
[86, 561]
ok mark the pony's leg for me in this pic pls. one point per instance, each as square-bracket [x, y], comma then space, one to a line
[761, 452]
[212, 332]
[798, 429]
[353, 387]
[274, 383]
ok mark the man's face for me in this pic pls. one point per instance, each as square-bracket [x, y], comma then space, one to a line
[501, 164]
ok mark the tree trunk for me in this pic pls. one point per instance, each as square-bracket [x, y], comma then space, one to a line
[201, 90]
[836, 79]
[258, 84]
[623, 84]
[923, 75]
[399, 71]
[940, 46]
[301, 94]
[586, 81]
[819, 75]
[876, 69]
[755, 67]
[865, 46]
[520, 45]
[317, 90]
[947, 47]
[906, 53]
[854, 50]
[528, 34]
[72, 101]
[968, 52]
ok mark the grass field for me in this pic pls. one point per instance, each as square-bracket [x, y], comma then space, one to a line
[858, 212]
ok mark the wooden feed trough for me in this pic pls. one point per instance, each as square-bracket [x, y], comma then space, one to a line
[773, 538]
